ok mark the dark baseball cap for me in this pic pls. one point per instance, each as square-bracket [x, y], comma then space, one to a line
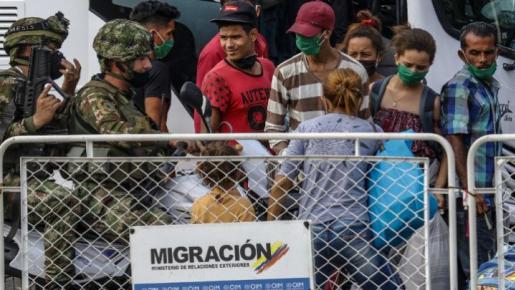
[238, 12]
[312, 18]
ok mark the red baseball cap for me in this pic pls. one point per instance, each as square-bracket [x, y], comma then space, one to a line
[312, 18]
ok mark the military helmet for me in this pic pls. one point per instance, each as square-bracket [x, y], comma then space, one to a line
[35, 31]
[122, 40]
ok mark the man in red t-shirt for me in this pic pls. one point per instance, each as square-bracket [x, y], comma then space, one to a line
[213, 53]
[238, 87]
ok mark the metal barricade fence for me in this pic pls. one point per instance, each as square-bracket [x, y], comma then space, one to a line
[498, 275]
[76, 212]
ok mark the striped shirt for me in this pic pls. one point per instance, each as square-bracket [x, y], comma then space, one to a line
[296, 94]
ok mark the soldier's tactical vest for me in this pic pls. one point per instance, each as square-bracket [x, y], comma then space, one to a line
[127, 173]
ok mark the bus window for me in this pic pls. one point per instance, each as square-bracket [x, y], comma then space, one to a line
[454, 14]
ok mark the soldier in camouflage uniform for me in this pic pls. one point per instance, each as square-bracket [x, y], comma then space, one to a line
[43, 195]
[103, 106]
[19, 40]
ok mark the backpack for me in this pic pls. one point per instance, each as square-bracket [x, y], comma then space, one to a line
[426, 102]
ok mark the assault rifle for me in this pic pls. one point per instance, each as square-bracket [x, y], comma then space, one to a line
[39, 76]
[27, 93]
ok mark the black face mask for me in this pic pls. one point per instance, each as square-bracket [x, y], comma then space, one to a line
[55, 64]
[139, 79]
[246, 62]
[370, 66]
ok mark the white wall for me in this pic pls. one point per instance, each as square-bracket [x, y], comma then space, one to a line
[77, 44]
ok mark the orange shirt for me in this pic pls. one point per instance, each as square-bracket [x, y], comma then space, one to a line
[220, 206]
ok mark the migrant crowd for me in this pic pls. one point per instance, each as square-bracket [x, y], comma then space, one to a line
[330, 83]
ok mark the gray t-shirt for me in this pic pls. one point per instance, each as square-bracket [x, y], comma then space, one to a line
[331, 189]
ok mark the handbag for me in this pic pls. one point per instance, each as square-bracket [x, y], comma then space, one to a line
[396, 196]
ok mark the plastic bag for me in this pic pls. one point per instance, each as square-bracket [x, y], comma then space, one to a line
[411, 267]
[396, 196]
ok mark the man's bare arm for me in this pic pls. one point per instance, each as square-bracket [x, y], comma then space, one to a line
[155, 108]
[279, 147]
[281, 187]
[460, 154]
[461, 168]
[216, 119]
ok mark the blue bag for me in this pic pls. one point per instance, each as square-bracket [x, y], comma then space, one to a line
[396, 196]
[488, 275]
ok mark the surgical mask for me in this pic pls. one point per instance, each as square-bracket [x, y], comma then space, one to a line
[309, 45]
[246, 62]
[138, 80]
[370, 66]
[480, 73]
[483, 73]
[162, 50]
[55, 64]
[409, 77]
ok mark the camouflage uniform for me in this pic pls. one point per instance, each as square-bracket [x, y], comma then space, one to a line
[55, 30]
[107, 203]
[43, 196]
[9, 81]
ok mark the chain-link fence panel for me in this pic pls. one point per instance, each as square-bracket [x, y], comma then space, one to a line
[499, 271]
[375, 224]
[488, 225]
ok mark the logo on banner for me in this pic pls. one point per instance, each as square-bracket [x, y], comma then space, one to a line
[224, 256]
[279, 249]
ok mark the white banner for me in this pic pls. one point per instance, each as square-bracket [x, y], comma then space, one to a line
[232, 256]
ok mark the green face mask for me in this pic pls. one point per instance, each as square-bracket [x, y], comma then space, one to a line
[409, 77]
[308, 45]
[161, 51]
[483, 73]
